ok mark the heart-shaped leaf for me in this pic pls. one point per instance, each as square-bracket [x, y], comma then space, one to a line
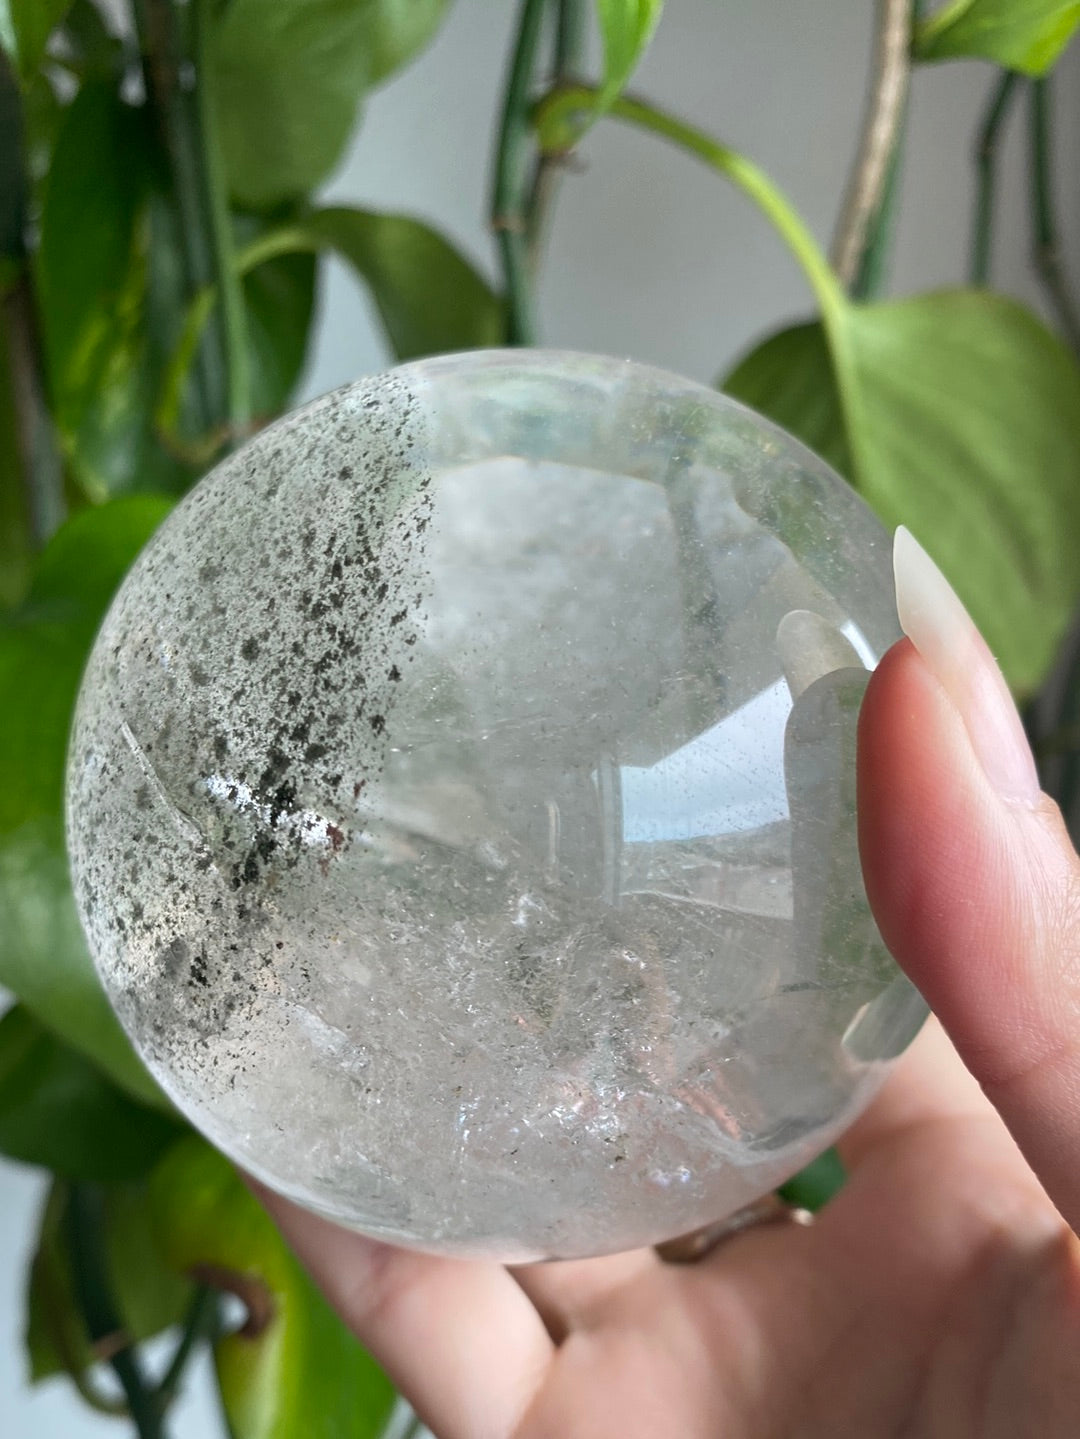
[289, 76]
[960, 410]
[1026, 35]
[294, 1368]
[965, 425]
[789, 377]
[962, 421]
[429, 298]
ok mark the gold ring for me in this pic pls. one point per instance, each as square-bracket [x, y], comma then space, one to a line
[770, 1209]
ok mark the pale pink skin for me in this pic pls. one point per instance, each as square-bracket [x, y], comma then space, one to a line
[939, 1294]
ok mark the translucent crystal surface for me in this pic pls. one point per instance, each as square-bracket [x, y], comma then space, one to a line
[461, 806]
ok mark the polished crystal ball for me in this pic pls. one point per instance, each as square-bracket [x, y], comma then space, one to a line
[461, 806]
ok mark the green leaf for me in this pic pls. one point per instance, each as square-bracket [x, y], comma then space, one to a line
[83, 564]
[44, 959]
[91, 205]
[201, 406]
[962, 421]
[25, 27]
[9, 42]
[626, 27]
[149, 1297]
[279, 287]
[99, 253]
[965, 424]
[279, 300]
[429, 298]
[93, 274]
[14, 189]
[43, 116]
[40, 663]
[59, 1111]
[789, 377]
[1026, 35]
[962, 416]
[396, 31]
[94, 50]
[294, 1368]
[43, 647]
[816, 1184]
[15, 542]
[290, 75]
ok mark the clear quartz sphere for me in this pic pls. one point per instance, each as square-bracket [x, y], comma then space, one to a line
[461, 806]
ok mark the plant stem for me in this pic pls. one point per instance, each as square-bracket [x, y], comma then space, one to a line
[49, 1281]
[266, 247]
[881, 128]
[39, 459]
[1048, 264]
[986, 155]
[873, 263]
[85, 1230]
[553, 118]
[230, 288]
[163, 61]
[508, 217]
[569, 38]
[556, 134]
[201, 1323]
[40, 507]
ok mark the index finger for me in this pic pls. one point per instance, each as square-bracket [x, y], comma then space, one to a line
[460, 1338]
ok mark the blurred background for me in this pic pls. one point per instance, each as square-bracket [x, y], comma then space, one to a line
[650, 257]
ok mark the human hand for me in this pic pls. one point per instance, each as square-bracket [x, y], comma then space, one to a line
[939, 1293]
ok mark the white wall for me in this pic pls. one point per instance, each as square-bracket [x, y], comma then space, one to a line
[652, 257]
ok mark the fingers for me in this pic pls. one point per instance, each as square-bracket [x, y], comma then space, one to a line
[461, 1340]
[929, 1084]
[578, 1293]
[971, 875]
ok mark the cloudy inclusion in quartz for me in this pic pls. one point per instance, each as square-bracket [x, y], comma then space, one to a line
[461, 806]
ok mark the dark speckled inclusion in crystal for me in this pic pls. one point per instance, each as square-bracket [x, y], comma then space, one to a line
[461, 806]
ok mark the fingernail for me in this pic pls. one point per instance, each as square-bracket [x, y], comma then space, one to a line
[941, 629]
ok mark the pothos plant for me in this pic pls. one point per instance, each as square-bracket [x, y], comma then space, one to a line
[159, 263]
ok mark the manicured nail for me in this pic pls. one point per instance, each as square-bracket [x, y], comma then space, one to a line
[941, 629]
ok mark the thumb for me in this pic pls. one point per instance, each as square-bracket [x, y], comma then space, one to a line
[970, 871]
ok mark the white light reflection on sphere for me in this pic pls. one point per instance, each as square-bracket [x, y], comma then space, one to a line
[461, 806]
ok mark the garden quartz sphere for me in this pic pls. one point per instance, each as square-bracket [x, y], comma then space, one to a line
[461, 806]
